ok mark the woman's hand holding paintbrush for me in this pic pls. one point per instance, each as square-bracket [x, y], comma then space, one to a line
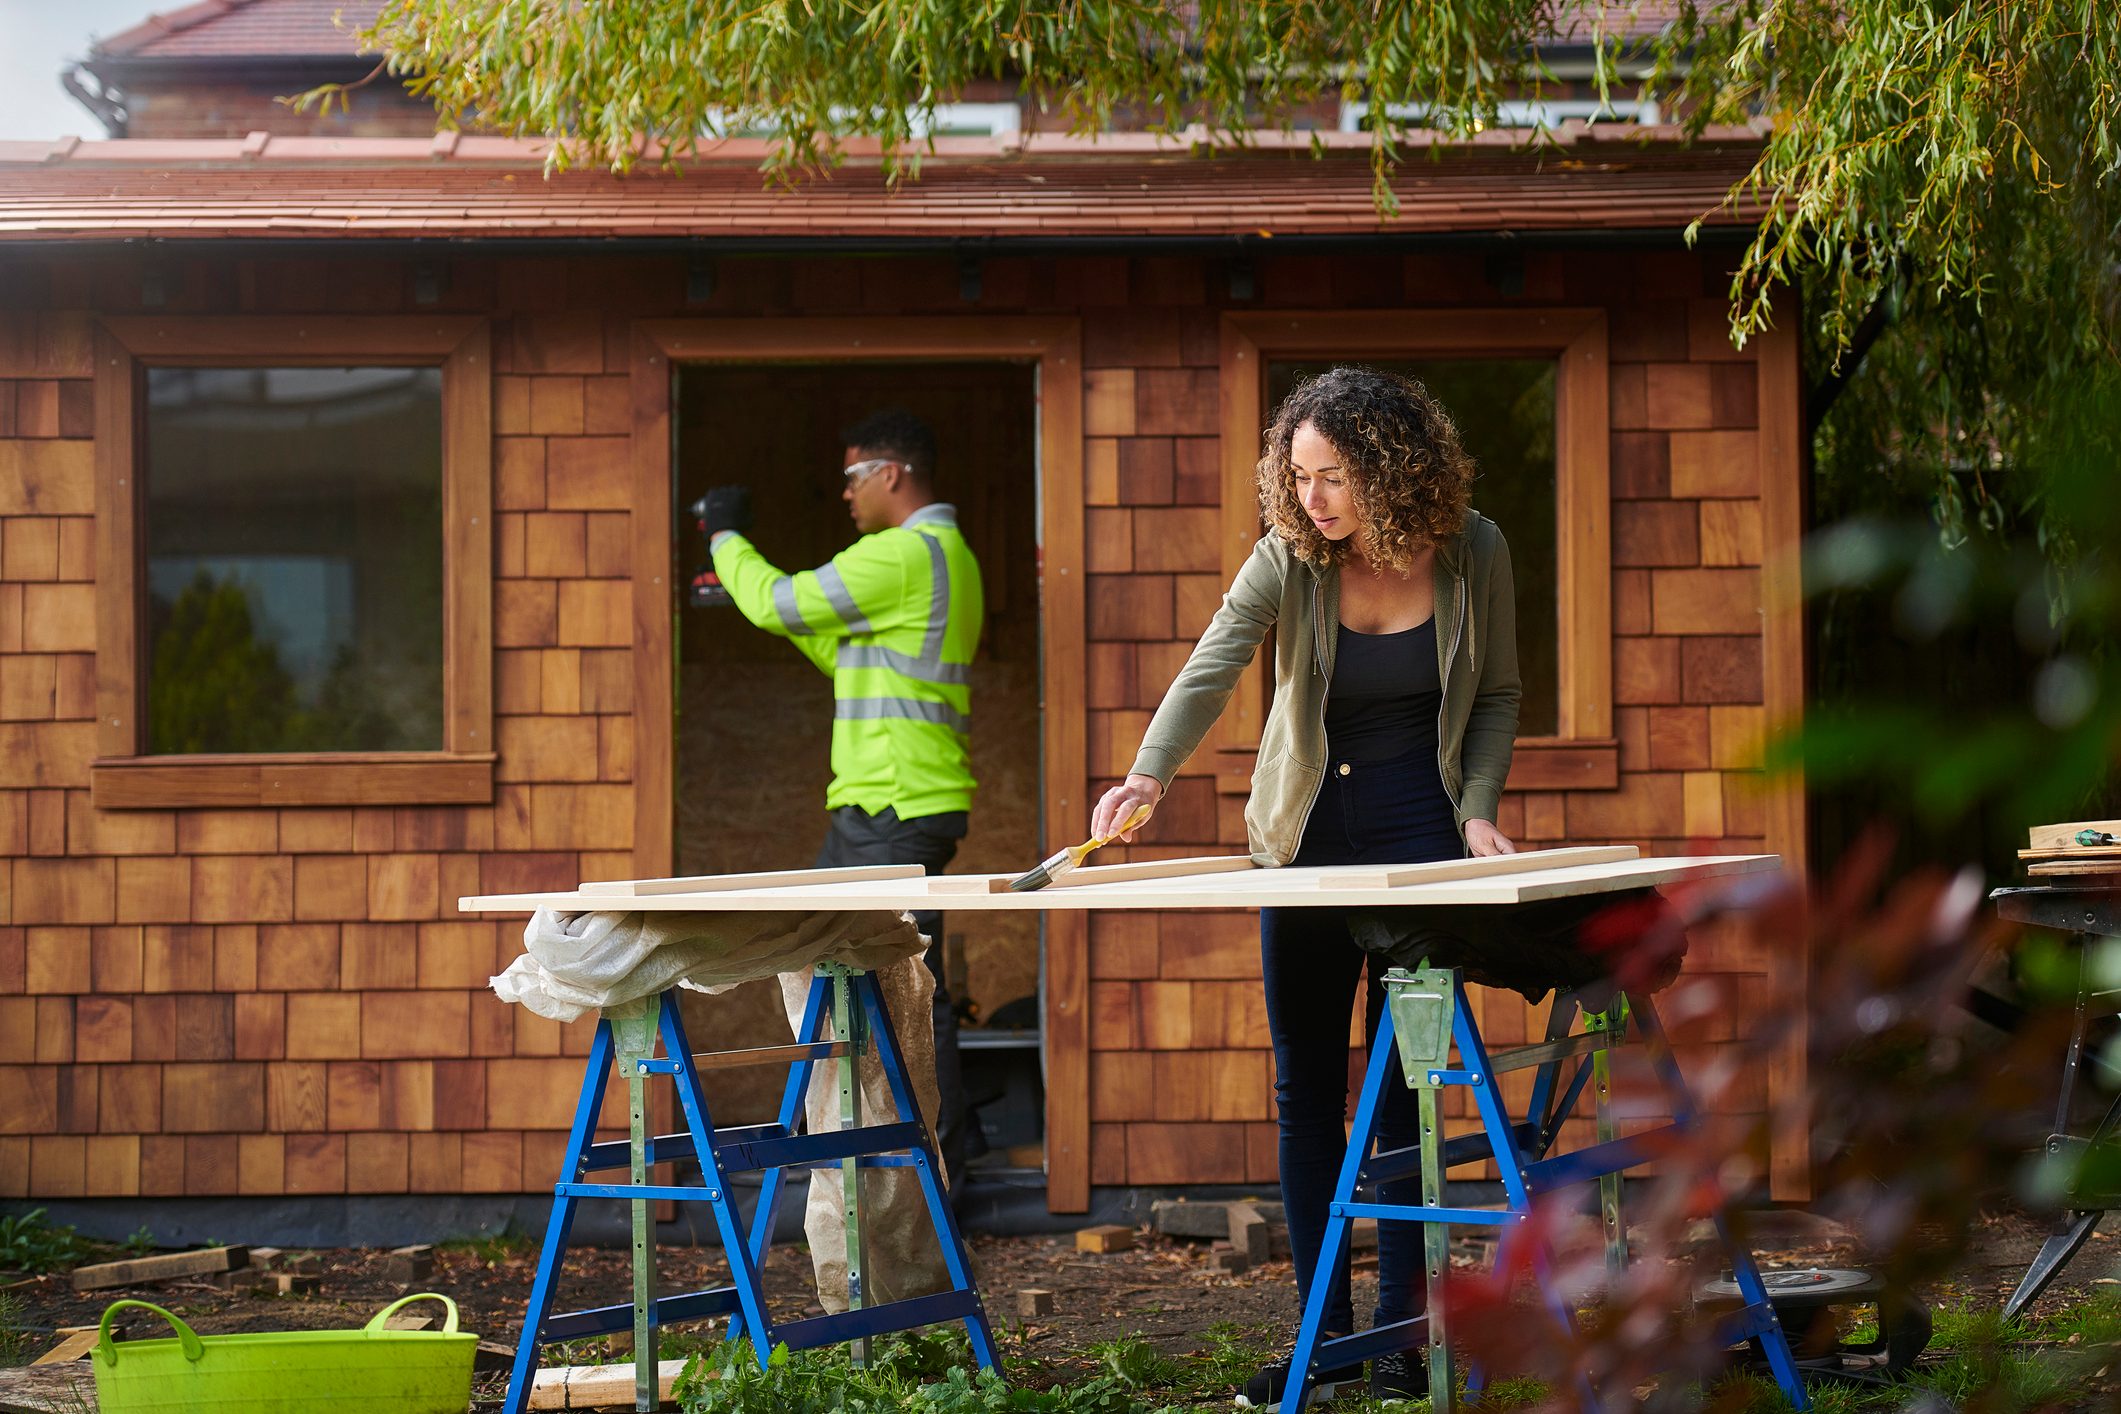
[1119, 823]
[1120, 802]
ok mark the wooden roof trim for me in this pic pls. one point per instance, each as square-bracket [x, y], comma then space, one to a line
[478, 149]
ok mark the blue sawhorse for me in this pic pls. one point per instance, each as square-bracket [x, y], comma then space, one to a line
[1426, 1013]
[844, 1014]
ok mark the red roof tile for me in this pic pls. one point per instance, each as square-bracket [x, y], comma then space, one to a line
[239, 29]
[494, 188]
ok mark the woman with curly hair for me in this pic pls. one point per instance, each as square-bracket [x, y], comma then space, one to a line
[1395, 707]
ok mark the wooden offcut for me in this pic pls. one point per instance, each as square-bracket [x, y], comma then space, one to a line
[1105, 1237]
[409, 1266]
[142, 1271]
[597, 1386]
[2062, 837]
[2054, 852]
[1033, 1301]
[1250, 1232]
[73, 1345]
[291, 1284]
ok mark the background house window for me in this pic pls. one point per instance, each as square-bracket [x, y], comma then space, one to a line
[946, 120]
[1505, 414]
[293, 556]
[1540, 113]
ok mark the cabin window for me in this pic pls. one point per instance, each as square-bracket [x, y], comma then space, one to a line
[292, 535]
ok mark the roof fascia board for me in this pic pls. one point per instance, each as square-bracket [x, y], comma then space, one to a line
[962, 246]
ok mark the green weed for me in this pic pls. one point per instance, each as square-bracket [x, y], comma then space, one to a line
[16, 1346]
[494, 1249]
[29, 1242]
[728, 1380]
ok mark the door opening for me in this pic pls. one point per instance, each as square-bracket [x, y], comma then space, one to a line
[754, 717]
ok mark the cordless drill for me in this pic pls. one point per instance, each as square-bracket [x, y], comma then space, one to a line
[706, 591]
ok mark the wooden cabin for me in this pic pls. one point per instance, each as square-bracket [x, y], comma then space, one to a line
[344, 570]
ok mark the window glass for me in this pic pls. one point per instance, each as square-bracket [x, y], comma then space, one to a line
[1504, 409]
[293, 539]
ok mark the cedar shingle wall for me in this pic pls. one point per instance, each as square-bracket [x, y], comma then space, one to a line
[225, 1001]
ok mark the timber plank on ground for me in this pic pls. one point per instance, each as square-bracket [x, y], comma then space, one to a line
[141, 1271]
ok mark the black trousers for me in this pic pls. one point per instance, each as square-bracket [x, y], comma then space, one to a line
[857, 837]
[1368, 812]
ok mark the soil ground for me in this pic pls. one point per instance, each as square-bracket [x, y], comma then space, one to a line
[1163, 1292]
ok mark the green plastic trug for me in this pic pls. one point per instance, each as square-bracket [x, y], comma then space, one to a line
[1421, 1003]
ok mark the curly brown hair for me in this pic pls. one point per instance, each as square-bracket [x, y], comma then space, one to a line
[1410, 479]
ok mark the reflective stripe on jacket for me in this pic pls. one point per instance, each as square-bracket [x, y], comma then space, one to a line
[894, 619]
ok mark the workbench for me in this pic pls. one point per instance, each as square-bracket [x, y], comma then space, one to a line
[1211, 883]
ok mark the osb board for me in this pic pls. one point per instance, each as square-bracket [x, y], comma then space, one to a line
[1269, 888]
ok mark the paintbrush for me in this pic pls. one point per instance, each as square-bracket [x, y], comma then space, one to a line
[1066, 861]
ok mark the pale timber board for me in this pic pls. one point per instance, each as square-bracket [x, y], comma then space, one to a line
[1523, 862]
[1352, 877]
[1264, 888]
[780, 879]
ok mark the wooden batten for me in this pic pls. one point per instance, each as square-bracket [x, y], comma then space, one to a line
[789, 878]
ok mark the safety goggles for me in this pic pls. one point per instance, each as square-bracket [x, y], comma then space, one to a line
[862, 471]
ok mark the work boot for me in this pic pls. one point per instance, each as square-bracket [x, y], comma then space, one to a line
[1263, 1390]
[1399, 1375]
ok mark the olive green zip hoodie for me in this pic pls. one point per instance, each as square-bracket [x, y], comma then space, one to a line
[1476, 649]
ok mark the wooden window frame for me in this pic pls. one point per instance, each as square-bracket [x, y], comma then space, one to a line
[123, 776]
[1054, 345]
[1583, 753]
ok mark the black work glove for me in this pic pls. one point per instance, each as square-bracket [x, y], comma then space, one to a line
[725, 508]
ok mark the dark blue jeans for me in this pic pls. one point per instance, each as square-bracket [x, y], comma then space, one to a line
[1392, 812]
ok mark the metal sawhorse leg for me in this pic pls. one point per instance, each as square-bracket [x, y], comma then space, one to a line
[2090, 910]
[844, 1014]
[1425, 1016]
[2086, 1200]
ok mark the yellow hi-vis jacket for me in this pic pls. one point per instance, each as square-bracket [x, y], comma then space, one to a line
[894, 619]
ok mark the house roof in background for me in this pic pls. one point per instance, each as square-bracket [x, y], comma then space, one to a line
[1124, 185]
[289, 29]
[244, 29]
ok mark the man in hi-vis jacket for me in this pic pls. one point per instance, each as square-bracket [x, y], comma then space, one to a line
[894, 619]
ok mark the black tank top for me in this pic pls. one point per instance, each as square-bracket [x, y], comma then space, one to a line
[1385, 694]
